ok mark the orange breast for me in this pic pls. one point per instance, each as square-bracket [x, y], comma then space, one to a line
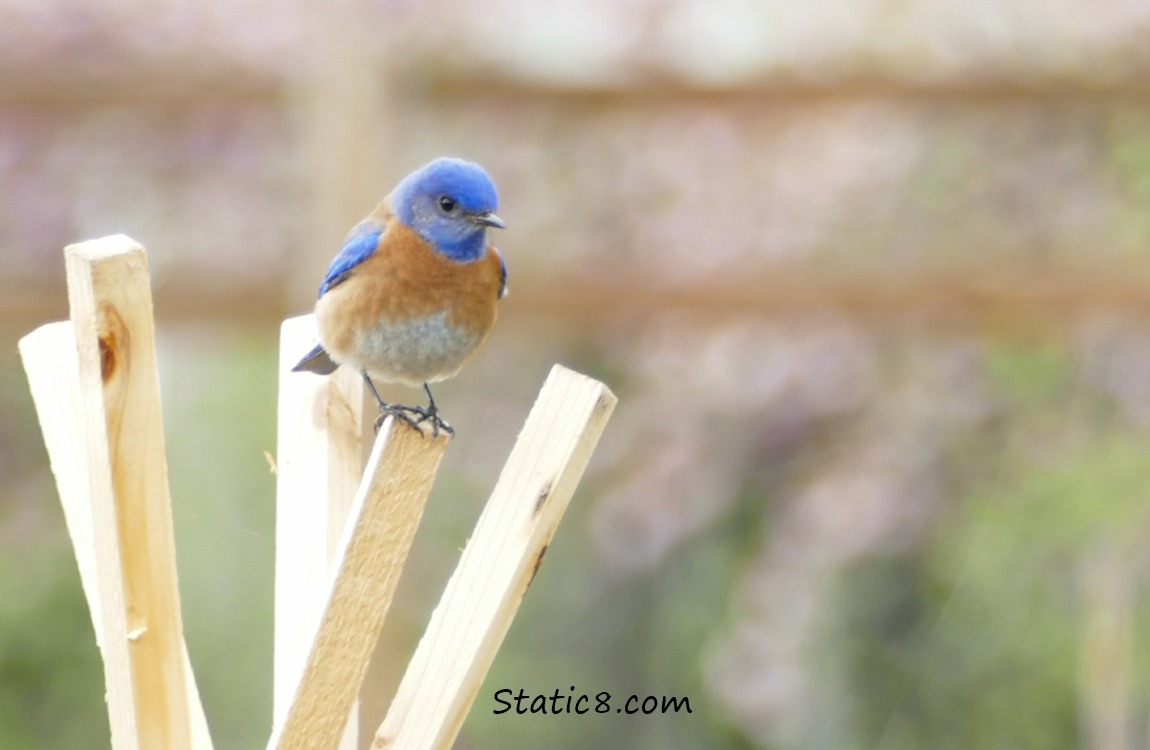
[406, 280]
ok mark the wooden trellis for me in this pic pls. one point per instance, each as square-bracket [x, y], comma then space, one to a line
[343, 529]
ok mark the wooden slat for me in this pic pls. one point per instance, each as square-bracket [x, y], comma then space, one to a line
[119, 408]
[324, 426]
[380, 529]
[498, 564]
[49, 355]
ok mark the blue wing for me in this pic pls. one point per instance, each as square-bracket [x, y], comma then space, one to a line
[358, 247]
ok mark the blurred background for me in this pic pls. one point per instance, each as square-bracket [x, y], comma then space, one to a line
[870, 279]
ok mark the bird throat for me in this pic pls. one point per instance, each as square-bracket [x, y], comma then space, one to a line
[466, 249]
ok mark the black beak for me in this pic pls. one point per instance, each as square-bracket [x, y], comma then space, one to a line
[489, 219]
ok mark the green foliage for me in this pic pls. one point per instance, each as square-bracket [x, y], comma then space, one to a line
[1129, 159]
[51, 680]
[1027, 376]
[977, 642]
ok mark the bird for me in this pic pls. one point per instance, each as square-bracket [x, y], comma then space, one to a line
[412, 295]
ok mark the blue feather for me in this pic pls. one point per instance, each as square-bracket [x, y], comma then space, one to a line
[360, 244]
[449, 203]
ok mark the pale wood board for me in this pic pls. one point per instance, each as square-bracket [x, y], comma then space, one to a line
[49, 355]
[119, 409]
[382, 523]
[498, 564]
[324, 430]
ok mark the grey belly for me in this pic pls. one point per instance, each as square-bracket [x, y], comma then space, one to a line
[414, 352]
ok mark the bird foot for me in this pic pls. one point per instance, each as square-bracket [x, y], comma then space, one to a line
[414, 416]
[400, 412]
[431, 416]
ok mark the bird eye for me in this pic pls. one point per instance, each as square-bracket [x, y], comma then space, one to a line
[446, 204]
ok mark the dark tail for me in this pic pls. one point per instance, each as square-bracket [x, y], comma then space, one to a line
[317, 361]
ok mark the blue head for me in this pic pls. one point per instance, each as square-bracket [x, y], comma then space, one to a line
[450, 203]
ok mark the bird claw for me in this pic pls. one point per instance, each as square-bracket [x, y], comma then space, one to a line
[431, 416]
[401, 413]
[414, 416]
[437, 423]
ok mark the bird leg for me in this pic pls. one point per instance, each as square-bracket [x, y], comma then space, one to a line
[400, 412]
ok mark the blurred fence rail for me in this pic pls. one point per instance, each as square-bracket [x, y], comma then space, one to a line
[1042, 300]
[275, 164]
[1026, 282]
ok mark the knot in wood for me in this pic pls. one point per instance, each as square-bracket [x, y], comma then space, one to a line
[113, 342]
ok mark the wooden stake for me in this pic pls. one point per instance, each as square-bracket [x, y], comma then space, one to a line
[49, 355]
[325, 423]
[498, 564]
[117, 421]
[381, 526]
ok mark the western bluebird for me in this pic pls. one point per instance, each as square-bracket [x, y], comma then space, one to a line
[412, 294]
